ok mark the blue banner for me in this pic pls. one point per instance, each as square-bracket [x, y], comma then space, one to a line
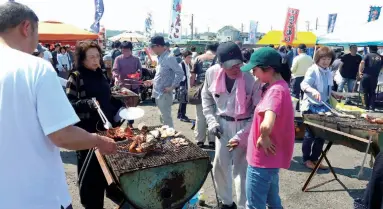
[148, 25]
[374, 13]
[331, 22]
[253, 32]
[99, 4]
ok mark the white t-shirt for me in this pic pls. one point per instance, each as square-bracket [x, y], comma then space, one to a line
[48, 55]
[32, 106]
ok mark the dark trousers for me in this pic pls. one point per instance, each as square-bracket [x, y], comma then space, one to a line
[295, 86]
[311, 146]
[369, 84]
[182, 110]
[93, 185]
[69, 207]
[374, 193]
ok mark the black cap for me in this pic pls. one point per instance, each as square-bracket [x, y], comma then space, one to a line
[126, 45]
[157, 40]
[229, 54]
[302, 46]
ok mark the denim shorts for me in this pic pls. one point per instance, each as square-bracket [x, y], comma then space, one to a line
[262, 188]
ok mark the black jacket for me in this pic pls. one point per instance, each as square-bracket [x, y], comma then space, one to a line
[84, 84]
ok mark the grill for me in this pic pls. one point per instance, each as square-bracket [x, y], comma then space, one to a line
[165, 178]
[166, 153]
[356, 134]
[358, 123]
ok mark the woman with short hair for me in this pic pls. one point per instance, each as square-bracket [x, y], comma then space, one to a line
[316, 85]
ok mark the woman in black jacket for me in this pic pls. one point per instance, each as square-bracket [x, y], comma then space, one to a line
[89, 81]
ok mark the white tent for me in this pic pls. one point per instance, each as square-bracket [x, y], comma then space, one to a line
[129, 36]
[363, 35]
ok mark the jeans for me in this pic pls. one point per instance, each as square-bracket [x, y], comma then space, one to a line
[369, 84]
[296, 91]
[350, 86]
[262, 188]
[182, 110]
[312, 146]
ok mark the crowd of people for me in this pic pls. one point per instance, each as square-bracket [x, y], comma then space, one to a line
[242, 98]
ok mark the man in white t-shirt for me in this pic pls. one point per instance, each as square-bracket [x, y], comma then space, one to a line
[36, 119]
[48, 54]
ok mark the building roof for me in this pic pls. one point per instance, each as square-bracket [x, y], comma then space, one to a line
[228, 27]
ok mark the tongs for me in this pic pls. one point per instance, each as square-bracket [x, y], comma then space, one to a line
[107, 124]
[336, 112]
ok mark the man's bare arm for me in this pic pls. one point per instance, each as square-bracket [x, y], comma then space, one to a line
[74, 138]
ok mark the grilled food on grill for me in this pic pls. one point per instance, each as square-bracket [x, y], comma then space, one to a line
[372, 119]
[179, 142]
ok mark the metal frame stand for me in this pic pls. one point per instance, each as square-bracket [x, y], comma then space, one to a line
[325, 151]
[323, 156]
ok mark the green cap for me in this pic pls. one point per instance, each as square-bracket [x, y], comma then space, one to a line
[263, 57]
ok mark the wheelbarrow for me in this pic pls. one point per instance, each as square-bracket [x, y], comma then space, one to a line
[167, 179]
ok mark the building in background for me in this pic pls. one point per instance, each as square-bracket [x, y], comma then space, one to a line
[208, 36]
[229, 33]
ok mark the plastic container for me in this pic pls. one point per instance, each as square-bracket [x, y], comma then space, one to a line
[193, 203]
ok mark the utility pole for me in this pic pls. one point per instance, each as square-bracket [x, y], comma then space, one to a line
[192, 26]
[242, 27]
[316, 24]
[308, 25]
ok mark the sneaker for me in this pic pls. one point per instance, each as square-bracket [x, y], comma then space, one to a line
[211, 145]
[185, 119]
[233, 206]
[200, 144]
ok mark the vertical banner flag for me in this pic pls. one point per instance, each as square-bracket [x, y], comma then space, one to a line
[175, 25]
[148, 25]
[331, 22]
[374, 13]
[290, 28]
[102, 37]
[99, 4]
[11, 0]
[253, 32]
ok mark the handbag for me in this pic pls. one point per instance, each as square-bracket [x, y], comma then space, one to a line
[194, 94]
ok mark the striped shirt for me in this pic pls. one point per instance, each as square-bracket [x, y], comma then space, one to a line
[168, 74]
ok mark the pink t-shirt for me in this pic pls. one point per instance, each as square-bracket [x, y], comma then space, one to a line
[277, 99]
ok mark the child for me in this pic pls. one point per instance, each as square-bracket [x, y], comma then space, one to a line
[268, 147]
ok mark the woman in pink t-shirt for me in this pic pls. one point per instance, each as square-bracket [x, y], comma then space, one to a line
[271, 142]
